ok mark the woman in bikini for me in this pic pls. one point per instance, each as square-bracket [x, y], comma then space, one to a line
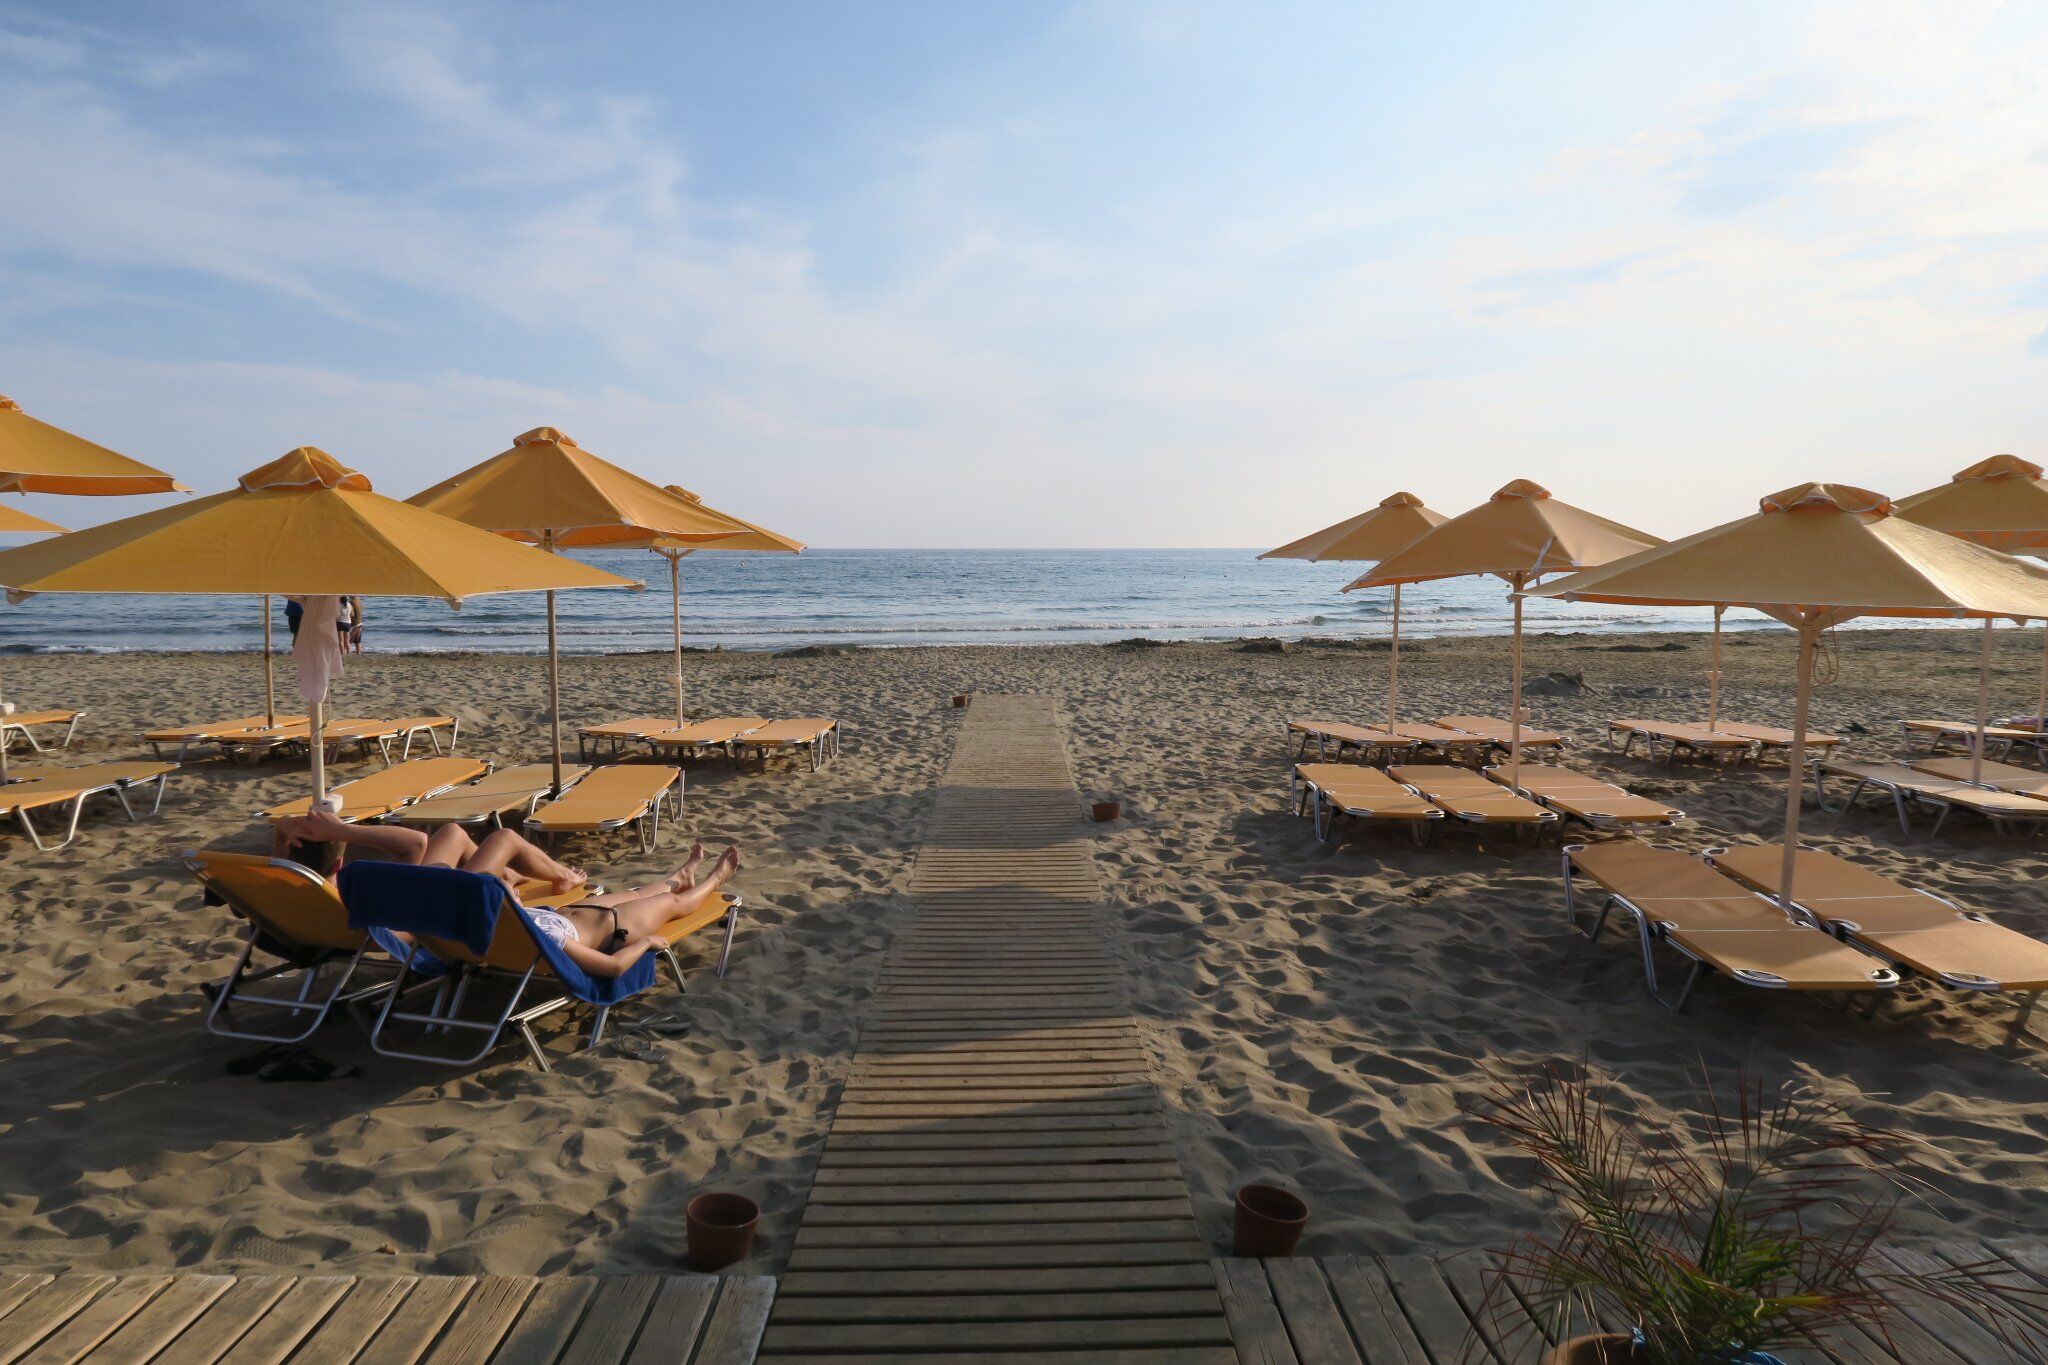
[603, 935]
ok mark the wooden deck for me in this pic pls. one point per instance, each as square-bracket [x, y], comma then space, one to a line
[188, 1319]
[1414, 1310]
[998, 1177]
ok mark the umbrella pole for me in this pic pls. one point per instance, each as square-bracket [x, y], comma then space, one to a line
[1714, 677]
[318, 736]
[1794, 786]
[1515, 715]
[1983, 703]
[269, 683]
[2041, 702]
[1394, 665]
[675, 588]
[547, 542]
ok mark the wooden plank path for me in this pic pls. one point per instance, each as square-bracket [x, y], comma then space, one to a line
[1418, 1310]
[998, 1182]
[195, 1319]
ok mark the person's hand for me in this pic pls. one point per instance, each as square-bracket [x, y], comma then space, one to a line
[649, 943]
[322, 825]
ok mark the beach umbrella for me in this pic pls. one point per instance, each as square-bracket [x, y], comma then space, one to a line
[2001, 502]
[304, 525]
[550, 491]
[1520, 535]
[1817, 555]
[748, 537]
[13, 523]
[36, 457]
[1398, 522]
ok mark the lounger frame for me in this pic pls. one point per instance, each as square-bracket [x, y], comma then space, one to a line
[119, 789]
[1678, 738]
[1902, 795]
[1331, 746]
[648, 821]
[14, 725]
[1593, 820]
[820, 747]
[1308, 797]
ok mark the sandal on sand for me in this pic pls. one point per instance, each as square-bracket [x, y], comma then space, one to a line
[301, 1064]
[250, 1063]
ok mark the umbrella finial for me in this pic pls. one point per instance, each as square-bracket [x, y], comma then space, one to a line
[1838, 497]
[8, 404]
[306, 467]
[1997, 467]
[544, 436]
[1521, 488]
[1401, 500]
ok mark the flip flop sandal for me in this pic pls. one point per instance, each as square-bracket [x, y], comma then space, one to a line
[252, 1062]
[302, 1065]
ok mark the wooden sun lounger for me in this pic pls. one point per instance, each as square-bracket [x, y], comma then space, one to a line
[722, 734]
[1908, 927]
[379, 794]
[1938, 735]
[72, 786]
[1468, 796]
[1991, 774]
[514, 956]
[1588, 800]
[1501, 732]
[185, 736]
[1678, 737]
[1327, 790]
[20, 722]
[1907, 786]
[1332, 737]
[613, 797]
[819, 737]
[1714, 922]
[617, 734]
[1446, 741]
[492, 798]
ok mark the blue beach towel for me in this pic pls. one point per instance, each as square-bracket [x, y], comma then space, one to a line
[464, 906]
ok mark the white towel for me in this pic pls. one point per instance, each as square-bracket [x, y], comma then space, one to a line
[318, 648]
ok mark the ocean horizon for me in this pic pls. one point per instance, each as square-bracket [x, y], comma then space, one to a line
[868, 597]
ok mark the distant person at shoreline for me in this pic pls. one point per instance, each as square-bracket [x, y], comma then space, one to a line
[294, 612]
[349, 621]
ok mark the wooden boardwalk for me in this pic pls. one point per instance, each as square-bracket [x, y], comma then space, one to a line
[1415, 1310]
[998, 1177]
[188, 1319]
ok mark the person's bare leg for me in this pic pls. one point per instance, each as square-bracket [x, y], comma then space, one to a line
[447, 846]
[645, 909]
[686, 875]
[505, 850]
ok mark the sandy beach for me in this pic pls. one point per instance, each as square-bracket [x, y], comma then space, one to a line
[1317, 1012]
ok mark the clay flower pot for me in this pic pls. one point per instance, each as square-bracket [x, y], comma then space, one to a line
[1106, 811]
[1269, 1222]
[1603, 1348]
[721, 1229]
[960, 699]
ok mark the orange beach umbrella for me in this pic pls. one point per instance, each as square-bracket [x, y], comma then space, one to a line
[1520, 534]
[303, 525]
[1398, 522]
[1815, 555]
[551, 491]
[15, 523]
[36, 457]
[2001, 502]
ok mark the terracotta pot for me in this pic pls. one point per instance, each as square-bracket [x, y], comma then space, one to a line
[1107, 810]
[1603, 1348]
[721, 1229]
[1269, 1221]
[960, 700]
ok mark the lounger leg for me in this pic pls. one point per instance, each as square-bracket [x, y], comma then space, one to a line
[2019, 1022]
[526, 1035]
[604, 1012]
[1675, 1005]
[1324, 816]
[732, 924]
[675, 968]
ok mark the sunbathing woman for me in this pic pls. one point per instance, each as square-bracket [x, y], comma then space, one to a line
[604, 935]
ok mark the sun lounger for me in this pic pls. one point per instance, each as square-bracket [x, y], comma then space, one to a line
[379, 794]
[55, 789]
[1446, 741]
[491, 799]
[1677, 738]
[1501, 732]
[618, 734]
[1589, 800]
[21, 723]
[1909, 786]
[613, 797]
[1772, 738]
[186, 736]
[819, 737]
[1938, 735]
[1466, 795]
[1714, 922]
[297, 733]
[721, 734]
[411, 728]
[1327, 790]
[1907, 927]
[515, 955]
[1332, 737]
[1991, 774]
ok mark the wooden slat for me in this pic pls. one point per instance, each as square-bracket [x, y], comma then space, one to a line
[675, 1321]
[96, 1321]
[45, 1312]
[412, 1328]
[226, 1320]
[161, 1320]
[733, 1336]
[354, 1320]
[1374, 1315]
[291, 1319]
[1139, 1303]
[1315, 1323]
[484, 1319]
[15, 1288]
[1079, 1252]
[996, 1234]
[1189, 1275]
[613, 1320]
[1255, 1322]
[546, 1323]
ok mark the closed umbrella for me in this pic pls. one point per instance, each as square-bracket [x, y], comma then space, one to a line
[1816, 555]
[548, 490]
[1519, 534]
[1398, 522]
[2001, 502]
[748, 537]
[305, 525]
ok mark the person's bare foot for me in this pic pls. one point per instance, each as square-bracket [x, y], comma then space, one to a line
[727, 864]
[685, 876]
[570, 879]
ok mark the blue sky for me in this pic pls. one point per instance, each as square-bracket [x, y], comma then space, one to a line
[1020, 273]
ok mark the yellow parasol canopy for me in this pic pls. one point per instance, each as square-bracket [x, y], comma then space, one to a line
[1520, 534]
[16, 523]
[36, 457]
[1815, 555]
[1374, 534]
[303, 525]
[547, 488]
[2001, 502]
